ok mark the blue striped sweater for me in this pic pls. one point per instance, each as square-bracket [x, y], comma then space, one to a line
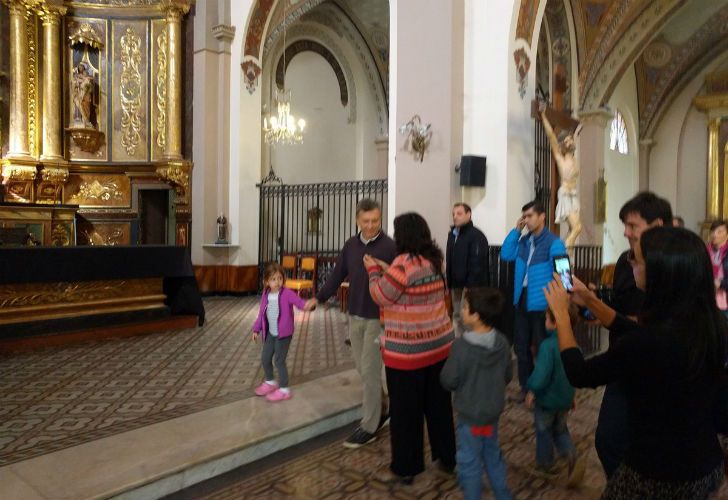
[540, 272]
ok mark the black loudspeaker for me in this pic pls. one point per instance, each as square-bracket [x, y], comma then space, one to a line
[472, 170]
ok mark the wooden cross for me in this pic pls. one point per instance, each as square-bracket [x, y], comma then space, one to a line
[558, 119]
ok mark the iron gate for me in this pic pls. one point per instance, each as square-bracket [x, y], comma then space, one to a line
[312, 219]
[542, 168]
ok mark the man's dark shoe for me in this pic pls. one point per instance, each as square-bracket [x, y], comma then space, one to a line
[383, 421]
[359, 438]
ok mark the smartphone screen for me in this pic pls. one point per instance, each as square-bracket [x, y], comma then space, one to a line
[563, 269]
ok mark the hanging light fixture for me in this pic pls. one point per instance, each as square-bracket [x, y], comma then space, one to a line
[282, 127]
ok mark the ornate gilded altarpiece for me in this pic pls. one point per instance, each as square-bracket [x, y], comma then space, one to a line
[114, 100]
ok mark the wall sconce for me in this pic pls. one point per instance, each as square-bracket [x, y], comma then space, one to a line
[418, 136]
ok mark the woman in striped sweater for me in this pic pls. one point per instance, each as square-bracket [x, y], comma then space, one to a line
[417, 337]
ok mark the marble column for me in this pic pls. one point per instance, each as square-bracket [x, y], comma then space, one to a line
[52, 129]
[19, 138]
[644, 163]
[590, 153]
[427, 186]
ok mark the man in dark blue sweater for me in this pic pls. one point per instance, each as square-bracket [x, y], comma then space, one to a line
[364, 323]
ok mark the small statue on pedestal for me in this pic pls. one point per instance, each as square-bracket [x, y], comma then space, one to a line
[221, 230]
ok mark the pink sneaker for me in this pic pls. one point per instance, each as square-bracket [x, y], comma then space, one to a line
[278, 395]
[265, 388]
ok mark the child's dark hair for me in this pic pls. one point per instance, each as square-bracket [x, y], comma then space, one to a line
[486, 302]
[271, 269]
[573, 314]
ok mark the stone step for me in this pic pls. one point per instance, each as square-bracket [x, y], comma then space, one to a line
[162, 458]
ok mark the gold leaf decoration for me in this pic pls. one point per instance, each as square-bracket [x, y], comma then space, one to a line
[32, 86]
[97, 191]
[161, 88]
[131, 90]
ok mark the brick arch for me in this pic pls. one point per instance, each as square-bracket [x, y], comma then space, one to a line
[306, 45]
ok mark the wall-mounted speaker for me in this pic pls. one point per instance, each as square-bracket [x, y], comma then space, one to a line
[472, 170]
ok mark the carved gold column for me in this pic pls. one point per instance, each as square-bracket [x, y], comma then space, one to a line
[715, 106]
[175, 169]
[712, 209]
[18, 148]
[174, 10]
[52, 130]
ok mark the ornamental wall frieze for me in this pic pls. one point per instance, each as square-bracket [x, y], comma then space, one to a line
[18, 296]
[98, 190]
[130, 90]
[54, 174]
[104, 234]
[673, 67]
[161, 89]
[31, 31]
[611, 60]
[19, 173]
[178, 174]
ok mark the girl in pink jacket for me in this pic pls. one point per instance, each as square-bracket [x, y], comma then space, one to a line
[275, 323]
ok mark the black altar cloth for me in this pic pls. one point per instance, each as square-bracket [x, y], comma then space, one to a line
[89, 263]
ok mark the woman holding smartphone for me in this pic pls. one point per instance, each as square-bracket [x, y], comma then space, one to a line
[670, 362]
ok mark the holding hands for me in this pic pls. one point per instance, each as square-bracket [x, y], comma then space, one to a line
[310, 304]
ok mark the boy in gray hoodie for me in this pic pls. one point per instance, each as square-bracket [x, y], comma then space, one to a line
[477, 371]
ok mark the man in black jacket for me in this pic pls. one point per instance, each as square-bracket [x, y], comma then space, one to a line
[467, 259]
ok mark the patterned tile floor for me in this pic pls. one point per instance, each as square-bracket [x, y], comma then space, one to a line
[55, 398]
[332, 472]
[329, 471]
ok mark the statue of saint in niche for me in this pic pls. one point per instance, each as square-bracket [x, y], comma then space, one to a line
[85, 96]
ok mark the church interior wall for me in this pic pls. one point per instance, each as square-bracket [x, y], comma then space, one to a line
[429, 90]
[492, 127]
[211, 131]
[620, 170]
[244, 147]
[328, 151]
[679, 157]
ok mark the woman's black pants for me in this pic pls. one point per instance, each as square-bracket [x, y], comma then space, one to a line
[416, 396]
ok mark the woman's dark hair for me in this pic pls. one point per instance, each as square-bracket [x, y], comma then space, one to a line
[680, 296]
[412, 236]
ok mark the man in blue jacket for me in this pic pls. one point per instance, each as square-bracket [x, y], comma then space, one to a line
[533, 253]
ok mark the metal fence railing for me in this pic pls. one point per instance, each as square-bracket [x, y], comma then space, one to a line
[312, 219]
[542, 168]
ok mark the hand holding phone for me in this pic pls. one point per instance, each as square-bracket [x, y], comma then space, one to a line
[562, 267]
